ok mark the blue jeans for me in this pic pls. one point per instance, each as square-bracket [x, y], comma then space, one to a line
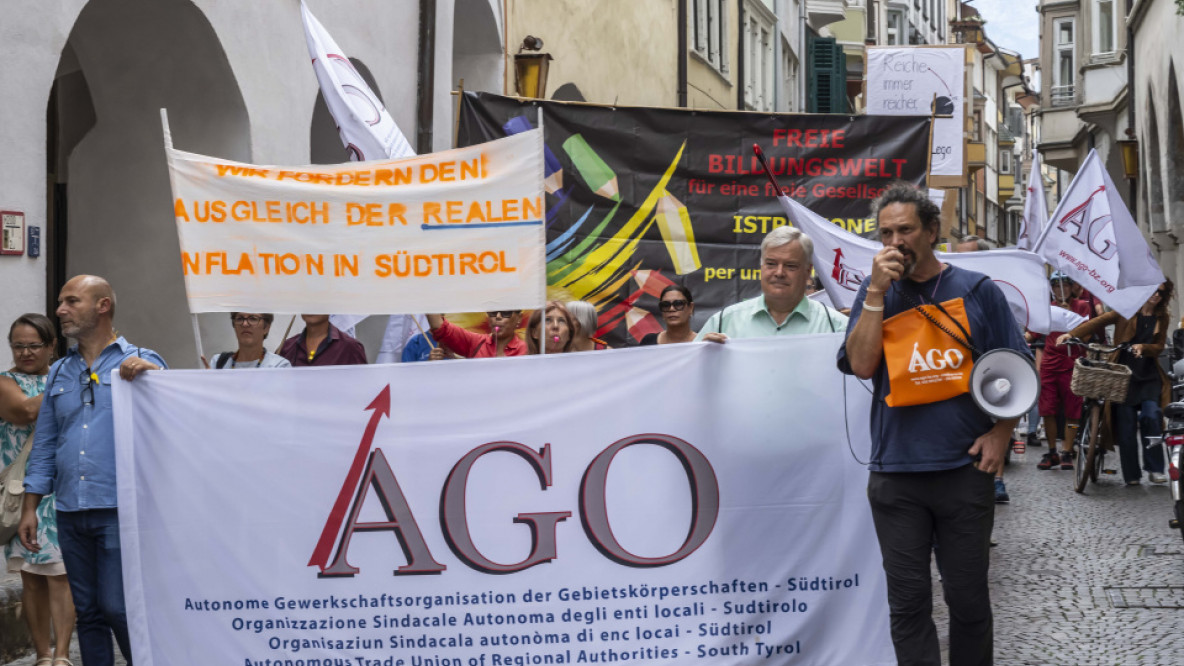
[94, 565]
[1150, 421]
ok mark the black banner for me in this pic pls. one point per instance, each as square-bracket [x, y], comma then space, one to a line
[639, 198]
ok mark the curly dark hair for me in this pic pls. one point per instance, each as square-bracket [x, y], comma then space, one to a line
[907, 193]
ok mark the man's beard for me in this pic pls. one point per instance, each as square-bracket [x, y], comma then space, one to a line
[909, 260]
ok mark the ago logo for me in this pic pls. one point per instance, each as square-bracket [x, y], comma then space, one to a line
[934, 359]
[371, 471]
[847, 277]
[1090, 230]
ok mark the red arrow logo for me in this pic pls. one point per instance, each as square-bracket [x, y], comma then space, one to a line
[381, 407]
[837, 271]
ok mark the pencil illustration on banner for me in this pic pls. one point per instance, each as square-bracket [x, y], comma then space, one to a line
[552, 169]
[641, 323]
[674, 221]
[651, 282]
[598, 175]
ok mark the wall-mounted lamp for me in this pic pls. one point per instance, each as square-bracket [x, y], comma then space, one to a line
[1130, 157]
[531, 69]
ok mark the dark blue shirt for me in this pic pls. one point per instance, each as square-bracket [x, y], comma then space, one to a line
[936, 436]
[417, 349]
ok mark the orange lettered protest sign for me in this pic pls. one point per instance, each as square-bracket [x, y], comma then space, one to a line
[456, 231]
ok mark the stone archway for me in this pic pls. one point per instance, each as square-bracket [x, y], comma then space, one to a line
[1174, 181]
[135, 58]
[1153, 171]
[477, 46]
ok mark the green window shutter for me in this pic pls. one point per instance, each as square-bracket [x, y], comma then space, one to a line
[828, 77]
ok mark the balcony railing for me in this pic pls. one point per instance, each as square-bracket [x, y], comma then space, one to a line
[1063, 95]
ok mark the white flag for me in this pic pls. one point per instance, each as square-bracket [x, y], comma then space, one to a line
[367, 130]
[1092, 238]
[842, 260]
[1065, 320]
[1035, 208]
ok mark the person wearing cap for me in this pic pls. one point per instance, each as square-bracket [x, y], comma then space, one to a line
[1058, 405]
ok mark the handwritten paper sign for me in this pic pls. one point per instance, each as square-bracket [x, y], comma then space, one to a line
[456, 231]
[903, 81]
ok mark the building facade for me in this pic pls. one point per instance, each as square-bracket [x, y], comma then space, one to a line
[84, 83]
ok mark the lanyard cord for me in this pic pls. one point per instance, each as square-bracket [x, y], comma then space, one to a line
[975, 353]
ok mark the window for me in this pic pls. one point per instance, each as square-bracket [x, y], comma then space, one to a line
[1005, 160]
[1105, 26]
[1064, 62]
[709, 32]
[758, 64]
[895, 31]
[789, 70]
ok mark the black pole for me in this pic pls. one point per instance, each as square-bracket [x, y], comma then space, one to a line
[682, 53]
[1130, 108]
[426, 88]
[739, 60]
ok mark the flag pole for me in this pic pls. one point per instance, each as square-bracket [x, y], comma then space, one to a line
[287, 332]
[543, 249]
[168, 152]
[427, 337]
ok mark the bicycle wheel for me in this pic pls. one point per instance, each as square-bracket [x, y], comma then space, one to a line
[1093, 459]
[1099, 463]
[1087, 448]
[1180, 514]
[1080, 444]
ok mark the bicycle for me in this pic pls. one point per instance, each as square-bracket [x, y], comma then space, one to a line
[1097, 382]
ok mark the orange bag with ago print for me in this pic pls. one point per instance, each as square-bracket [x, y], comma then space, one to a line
[927, 364]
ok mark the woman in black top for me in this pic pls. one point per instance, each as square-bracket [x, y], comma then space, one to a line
[677, 307]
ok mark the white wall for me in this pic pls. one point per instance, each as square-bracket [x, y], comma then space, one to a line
[237, 81]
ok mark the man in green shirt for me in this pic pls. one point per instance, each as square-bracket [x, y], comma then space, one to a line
[782, 308]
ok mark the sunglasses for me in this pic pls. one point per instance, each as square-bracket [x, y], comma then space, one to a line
[88, 381]
[667, 306]
[504, 314]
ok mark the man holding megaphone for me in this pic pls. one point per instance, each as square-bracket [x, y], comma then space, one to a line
[917, 329]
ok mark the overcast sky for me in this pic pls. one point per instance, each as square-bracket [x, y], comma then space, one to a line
[1012, 24]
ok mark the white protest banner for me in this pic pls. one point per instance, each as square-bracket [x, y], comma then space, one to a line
[842, 260]
[1035, 207]
[456, 231]
[1092, 237]
[698, 503]
[903, 81]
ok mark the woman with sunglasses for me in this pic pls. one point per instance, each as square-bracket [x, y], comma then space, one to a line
[677, 307]
[1149, 389]
[502, 339]
[251, 329]
[46, 593]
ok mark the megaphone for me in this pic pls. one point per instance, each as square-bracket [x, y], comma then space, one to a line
[1004, 384]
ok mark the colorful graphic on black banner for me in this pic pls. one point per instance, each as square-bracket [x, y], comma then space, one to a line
[642, 198]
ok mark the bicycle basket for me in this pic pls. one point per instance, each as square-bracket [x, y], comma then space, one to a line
[1100, 380]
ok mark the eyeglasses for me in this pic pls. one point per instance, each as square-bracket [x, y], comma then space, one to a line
[667, 306]
[247, 320]
[22, 348]
[88, 381]
[504, 314]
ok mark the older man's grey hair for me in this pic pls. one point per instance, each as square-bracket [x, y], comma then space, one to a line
[784, 236]
[585, 315]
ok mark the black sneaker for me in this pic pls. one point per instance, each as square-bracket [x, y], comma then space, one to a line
[1067, 459]
[1049, 460]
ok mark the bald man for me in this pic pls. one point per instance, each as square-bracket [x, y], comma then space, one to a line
[73, 457]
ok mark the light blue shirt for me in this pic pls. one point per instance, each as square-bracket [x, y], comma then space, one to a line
[269, 360]
[751, 319]
[74, 448]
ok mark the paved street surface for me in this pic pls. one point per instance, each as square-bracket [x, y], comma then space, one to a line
[1076, 580]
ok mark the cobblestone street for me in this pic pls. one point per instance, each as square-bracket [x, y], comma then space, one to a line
[1079, 580]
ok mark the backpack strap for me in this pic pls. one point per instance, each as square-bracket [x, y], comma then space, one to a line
[222, 359]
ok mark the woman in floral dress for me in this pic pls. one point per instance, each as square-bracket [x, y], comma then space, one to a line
[46, 599]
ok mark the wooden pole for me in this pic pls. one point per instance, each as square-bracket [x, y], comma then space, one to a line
[287, 332]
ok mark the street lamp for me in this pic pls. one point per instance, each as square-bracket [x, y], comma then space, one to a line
[1130, 157]
[531, 69]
